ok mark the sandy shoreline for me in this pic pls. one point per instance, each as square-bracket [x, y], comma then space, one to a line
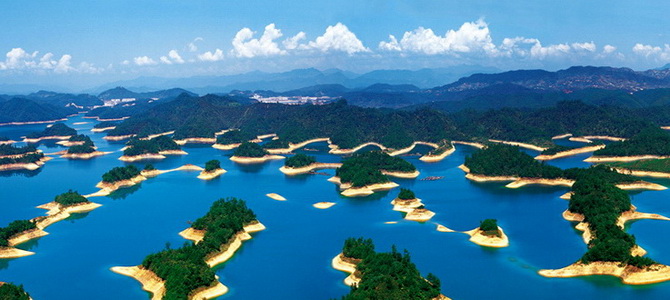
[367, 190]
[479, 238]
[623, 158]
[628, 274]
[440, 157]
[323, 205]
[68, 143]
[570, 152]
[339, 263]
[471, 144]
[419, 215]
[25, 166]
[408, 149]
[541, 181]
[196, 140]
[107, 188]
[337, 150]
[9, 252]
[522, 145]
[103, 129]
[106, 120]
[292, 147]
[204, 175]
[255, 160]
[118, 137]
[32, 122]
[562, 136]
[149, 280]
[306, 169]
[51, 137]
[408, 175]
[141, 157]
[639, 173]
[276, 197]
[8, 142]
[84, 155]
[226, 146]
[406, 205]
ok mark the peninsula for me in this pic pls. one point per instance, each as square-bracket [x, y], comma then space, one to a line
[364, 173]
[304, 164]
[252, 153]
[154, 148]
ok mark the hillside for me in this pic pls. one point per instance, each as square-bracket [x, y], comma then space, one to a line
[25, 110]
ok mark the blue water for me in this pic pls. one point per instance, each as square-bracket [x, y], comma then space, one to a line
[291, 259]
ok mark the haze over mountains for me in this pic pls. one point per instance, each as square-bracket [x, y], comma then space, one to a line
[393, 89]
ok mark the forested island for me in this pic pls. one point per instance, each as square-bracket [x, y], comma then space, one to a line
[9, 291]
[212, 170]
[154, 148]
[650, 143]
[81, 147]
[383, 275]
[250, 153]
[104, 126]
[600, 207]
[305, 164]
[119, 177]
[14, 233]
[363, 173]
[444, 148]
[412, 206]
[16, 158]
[185, 272]
[232, 138]
[489, 234]
[57, 131]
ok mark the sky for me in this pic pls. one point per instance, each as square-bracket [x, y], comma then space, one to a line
[85, 42]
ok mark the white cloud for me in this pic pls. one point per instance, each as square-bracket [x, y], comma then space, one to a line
[607, 49]
[19, 59]
[246, 46]
[144, 61]
[589, 47]
[63, 65]
[172, 57]
[192, 47]
[337, 38]
[470, 37]
[125, 62]
[654, 53]
[209, 56]
[293, 42]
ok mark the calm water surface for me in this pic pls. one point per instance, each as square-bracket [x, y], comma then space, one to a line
[291, 259]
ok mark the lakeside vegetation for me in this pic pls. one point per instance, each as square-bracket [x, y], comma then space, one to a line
[9, 291]
[86, 147]
[653, 141]
[211, 165]
[184, 269]
[106, 124]
[506, 160]
[152, 146]
[70, 198]
[387, 275]
[651, 165]
[57, 129]
[8, 149]
[556, 149]
[406, 194]
[366, 168]
[601, 203]
[248, 149]
[276, 144]
[299, 160]
[24, 159]
[120, 173]
[234, 137]
[489, 227]
[442, 147]
[14, 228]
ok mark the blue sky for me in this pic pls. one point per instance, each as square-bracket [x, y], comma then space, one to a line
[91, 42]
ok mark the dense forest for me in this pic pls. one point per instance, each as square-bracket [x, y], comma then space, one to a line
[120, 173]
[87, 147]
[70, 198]
[299, 160]
[442, 147]
[14, 228]
[276, 144]
[406, 194]
[212, 165]
[184, 269]
[152, 146]
[506, 160]
[387, 275]
[653, 165]
[652, 141]
[25, 110]
[490, 227]
[57, 129]
[234, 137]
[24, 159]
[601, 203]
[10, 291]
[365, 168]
[8, 149]
[248, 149]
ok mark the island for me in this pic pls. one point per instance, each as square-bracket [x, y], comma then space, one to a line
[368, 269]
[252, 153]
[81, 147]
[444, 149]
[17, 232]
[558, 151]
[153, 148]
[9, 291]
[21, 158]
[185, 273]
[652, 143]
[364, 173]
[304, 164]
[63, 206]
[232, 139]
[212, 170]
[323, 205]
[488, 234]
[117, 178]
[408, 203]
[599, 204]
[659, 168]
[104, 126]
[57, 131]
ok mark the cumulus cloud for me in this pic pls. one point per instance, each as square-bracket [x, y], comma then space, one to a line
[246, 46]
[294, 41]
[19, 59]
[470, 37]
[654, 53]
[192, 47]
[337, 38]
[144, 61]
[211, 56]
[172, 57]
